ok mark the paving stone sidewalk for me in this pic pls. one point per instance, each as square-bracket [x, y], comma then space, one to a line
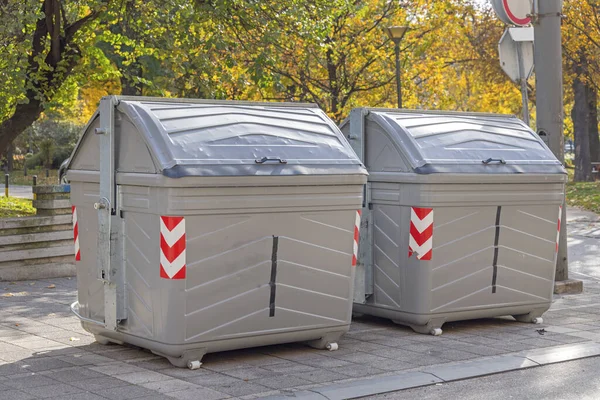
[44, 353]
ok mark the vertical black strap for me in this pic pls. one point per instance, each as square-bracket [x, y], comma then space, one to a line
[496, 238]
[273, 276]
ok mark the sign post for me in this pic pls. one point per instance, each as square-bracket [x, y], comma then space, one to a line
[548, 54]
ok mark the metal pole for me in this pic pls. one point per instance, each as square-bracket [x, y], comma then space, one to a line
[523, 79]
[398, 79]
[34, 185]
[549, 99]
[6, 185]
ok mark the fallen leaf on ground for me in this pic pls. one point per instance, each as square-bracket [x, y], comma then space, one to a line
[9, 294]
[52, 286]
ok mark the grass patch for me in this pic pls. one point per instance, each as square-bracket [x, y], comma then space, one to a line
[584, 195]
[18, 178]
[14, 207]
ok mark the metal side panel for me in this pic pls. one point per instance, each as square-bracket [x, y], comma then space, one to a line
[527, 251]
[90, 290]
[141, 242]
[258, 274]
[387, 234]
[462, 258]
[363, 278]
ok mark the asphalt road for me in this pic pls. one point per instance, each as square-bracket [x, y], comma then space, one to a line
[19, 191]
[573, 380]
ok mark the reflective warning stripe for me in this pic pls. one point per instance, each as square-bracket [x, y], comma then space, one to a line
[421, 233]
[76, 234]
[356, 237]
[172, 247]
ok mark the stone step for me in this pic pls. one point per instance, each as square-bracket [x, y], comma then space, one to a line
[37, 229]
[15, 255]
[35, 238]
[37, 271]
[68, 259]
[26, 222]
[35, 245]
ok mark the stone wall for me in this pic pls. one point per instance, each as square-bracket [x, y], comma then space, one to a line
[41, 246]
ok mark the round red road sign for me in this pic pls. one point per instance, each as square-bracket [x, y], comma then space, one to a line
[513, 12]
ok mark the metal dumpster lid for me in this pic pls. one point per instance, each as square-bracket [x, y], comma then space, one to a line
[210, 137]
[435, 141]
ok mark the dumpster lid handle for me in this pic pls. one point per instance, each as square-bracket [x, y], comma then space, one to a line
[490, 160]
[267, 159]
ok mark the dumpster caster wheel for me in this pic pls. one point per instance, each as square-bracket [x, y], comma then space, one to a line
[194, 364]
[436, 332]
[101, 340]
[533, 317]
[191, 359]
[331, 346]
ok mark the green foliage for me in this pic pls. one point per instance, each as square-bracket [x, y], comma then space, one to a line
[58, 136]
[34, 161]
[331, 52]
[11, 207]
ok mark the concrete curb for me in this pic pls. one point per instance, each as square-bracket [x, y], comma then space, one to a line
[569, 286]
[446, 373]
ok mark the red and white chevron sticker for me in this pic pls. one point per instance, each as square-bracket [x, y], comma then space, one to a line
[558, 228]
[76, 234]
[172, 247]
[356, 236]
[421, 233]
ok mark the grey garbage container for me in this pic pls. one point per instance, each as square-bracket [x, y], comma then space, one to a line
[204, 226]
[461, 217]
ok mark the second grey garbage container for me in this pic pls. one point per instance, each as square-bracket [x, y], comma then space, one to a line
[204, 226]
[461, 218]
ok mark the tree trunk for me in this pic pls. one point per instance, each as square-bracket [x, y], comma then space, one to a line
[9, 157]
[52, 59]
[333, 85]
[580, 115]
[592, 97]
[24, 116]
